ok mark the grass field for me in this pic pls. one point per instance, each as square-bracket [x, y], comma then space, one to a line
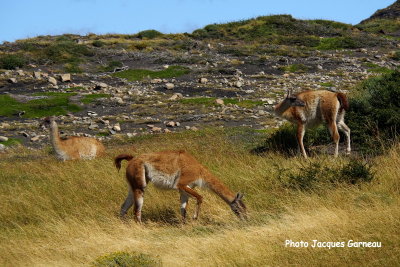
[65, 213]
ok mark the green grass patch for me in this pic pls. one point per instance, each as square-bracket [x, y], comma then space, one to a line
[327, 84]
[56, 104]
[11, 142]
[339, 43]
[377, 69]
[12, 61]
[87, 99]
[140, 74]
[295, 68]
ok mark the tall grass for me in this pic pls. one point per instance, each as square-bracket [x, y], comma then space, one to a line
[65, 213]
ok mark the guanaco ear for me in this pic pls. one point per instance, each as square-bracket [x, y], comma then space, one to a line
[295, 102]
[239, 196]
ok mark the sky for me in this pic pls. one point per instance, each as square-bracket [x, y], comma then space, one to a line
[20, 19]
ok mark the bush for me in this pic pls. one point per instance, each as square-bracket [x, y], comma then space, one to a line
[11, 62]
[374, 116]
[125, 259]
[98, 43]
[314, 174]
[67, 52]
[149, 34]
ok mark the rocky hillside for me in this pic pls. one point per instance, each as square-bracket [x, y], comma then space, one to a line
[119, 86]
[383, 21]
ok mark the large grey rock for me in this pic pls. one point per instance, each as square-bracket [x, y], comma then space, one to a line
[169, 86]
[3, 139]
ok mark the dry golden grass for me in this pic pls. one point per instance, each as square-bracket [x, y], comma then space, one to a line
[65, 214]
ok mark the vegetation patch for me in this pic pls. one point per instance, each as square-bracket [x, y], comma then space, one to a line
[298, 68]
[376, 68]
[56, 104]
[12, 61]
[149, 34]
[126, 259]
[11, 142]
[111, 65]
[140, 74]
[87, 99]
[339, 43]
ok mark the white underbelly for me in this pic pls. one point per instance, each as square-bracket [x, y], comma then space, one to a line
[160, 179]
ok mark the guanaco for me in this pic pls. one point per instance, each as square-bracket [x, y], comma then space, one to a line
[173, 170]
[74, 147]
[311, 108]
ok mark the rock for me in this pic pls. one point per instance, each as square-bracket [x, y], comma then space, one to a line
[12, 80]
[112, 131]
[156, 81]
[286, 75]
[100, 85]
[3, 139]
[130, 135]
[65, 77]
[117, 127]
[156, 129]
[52, 81]
[93, 126]
[219, 101]
[176, 96]
[2, 147]
[35, 138]
[167, 131]
[21, 72]
[194, 128]
[169, 86]
[171, 124]
[261, 112]
[92, 114]
[166, 66]
[24, 134]
[238, 84]
[37, 75]
[320, 67]
[203, 80]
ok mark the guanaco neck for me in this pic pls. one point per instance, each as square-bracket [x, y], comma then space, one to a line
[219, 188]
[55, 136]
[282, 107]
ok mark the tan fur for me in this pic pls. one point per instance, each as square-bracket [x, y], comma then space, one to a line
[319, 107]
[74, 147]
[173, 170]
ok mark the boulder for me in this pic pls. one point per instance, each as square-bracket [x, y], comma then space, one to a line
[176, 96]
[65, 77]
[169, 86]
[219, 101]
[52, 80]
[3, 139]
[203, 80]
[12, 80]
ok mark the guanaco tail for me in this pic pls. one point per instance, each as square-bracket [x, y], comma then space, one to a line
[173, 170]
[311, 108]
[74, 147]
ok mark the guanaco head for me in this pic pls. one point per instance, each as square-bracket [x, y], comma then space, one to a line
[293, 100]
[238, 207]
[46, 122]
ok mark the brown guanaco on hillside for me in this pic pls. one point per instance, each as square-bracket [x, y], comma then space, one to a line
[74, 147]
[173, 170]
[311, 108]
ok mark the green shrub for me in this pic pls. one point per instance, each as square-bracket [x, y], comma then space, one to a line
[12, 61]
[125, 259]
[140, 74]
[318, 173]
[149, 34]
[98, 43]
[339, 43]
[67, 52]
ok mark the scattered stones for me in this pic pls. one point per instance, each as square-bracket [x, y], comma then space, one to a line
[92, 114]
[3, 139]
[52, 80]
[169, 86]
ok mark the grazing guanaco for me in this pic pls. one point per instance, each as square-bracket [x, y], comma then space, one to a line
[173, 170]
[311, 108]
[74, 147]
